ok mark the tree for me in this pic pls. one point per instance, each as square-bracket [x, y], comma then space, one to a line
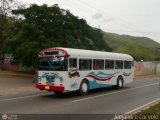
[42, 27]
[6, 7]
[5, 10]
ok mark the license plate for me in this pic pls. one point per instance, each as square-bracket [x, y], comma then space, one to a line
[47, 87]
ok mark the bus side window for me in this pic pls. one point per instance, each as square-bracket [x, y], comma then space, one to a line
[65, 64]
[109, 64]
[119, 64]
[85, 64]
[127, 64]
[133, 63]
[72, 63]
[98, 64]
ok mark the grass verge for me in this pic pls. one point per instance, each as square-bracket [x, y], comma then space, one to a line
[152, 110]
[152, 113]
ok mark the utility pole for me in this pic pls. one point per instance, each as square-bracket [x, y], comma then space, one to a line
[99, 27]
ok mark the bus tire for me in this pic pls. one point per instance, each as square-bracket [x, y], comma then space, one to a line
[83, 90]
[119, 82]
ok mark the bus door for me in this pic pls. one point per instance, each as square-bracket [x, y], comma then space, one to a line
[73, 73]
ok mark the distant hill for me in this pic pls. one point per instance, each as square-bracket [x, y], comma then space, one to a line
[139, 47]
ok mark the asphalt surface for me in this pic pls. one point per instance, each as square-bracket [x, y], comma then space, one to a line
[15, 85]
[99, 101]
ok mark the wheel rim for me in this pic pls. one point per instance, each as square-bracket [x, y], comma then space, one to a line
[84, 87]
[120, 83]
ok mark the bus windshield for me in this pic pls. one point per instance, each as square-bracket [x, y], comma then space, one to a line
[53, 64]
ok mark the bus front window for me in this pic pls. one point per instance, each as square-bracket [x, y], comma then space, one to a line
[54, 64]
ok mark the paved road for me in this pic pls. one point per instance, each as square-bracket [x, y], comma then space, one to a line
[101, 101]
[12, 85]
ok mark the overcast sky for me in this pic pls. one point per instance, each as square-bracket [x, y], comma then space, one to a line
[132, 17]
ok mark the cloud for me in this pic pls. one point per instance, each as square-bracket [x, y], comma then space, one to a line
[108, 19]
[104, 19]
[97, 16]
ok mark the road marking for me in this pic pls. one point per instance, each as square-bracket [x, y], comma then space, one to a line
[83, 98]
[143, 106]
[114, 92]
[22, 97]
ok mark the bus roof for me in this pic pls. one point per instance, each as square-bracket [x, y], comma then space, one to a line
[92, 54]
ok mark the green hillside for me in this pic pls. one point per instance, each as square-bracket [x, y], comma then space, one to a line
[139, 47]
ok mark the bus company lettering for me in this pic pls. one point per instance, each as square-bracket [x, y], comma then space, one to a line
[73, 73]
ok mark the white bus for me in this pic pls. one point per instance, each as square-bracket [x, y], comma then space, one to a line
[67, 69]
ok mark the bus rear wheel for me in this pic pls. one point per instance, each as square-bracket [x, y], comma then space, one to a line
[83, 90]
[119, 82]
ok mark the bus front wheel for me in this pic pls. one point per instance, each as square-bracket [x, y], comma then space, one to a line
[83, 90]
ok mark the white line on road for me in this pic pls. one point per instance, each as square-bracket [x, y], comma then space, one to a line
[143, 106]
[23, 97]
[114, 92]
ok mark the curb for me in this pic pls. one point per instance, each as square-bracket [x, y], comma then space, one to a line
[147, 76]
[14, 74]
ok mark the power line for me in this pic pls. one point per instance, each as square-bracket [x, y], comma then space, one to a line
[124, 23]
[76, 6]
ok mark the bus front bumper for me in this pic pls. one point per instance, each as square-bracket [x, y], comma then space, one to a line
[50, 87]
